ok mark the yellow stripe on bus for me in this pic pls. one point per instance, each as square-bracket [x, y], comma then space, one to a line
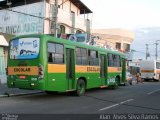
[148, 71]
[114, 69]
[157, 71]
[87, 69]
[82, 69]
[23, 70]
[56, 68]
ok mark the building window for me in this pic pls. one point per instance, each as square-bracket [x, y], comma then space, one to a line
[126, 47]
[62, 29]
[118, 46]
[55, 53]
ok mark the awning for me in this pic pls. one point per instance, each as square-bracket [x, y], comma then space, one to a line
[3, 41]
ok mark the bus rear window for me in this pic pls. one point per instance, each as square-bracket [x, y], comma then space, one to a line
[24, 48]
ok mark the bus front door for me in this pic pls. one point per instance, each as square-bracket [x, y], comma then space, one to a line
[103, 69]
[70, 67]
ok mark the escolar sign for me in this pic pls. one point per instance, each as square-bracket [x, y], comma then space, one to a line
[22, 69]
[29, 70]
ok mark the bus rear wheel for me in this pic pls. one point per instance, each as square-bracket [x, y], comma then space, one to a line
[117, 82]
[81, 88]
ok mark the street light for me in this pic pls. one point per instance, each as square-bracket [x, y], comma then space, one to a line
[156, 55]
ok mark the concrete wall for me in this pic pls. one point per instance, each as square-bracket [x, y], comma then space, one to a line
[3, 78]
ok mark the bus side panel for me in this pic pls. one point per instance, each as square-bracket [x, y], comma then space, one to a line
[90, 73]
[92, 79]
[57, 82]
[57, 78]
[113, 72]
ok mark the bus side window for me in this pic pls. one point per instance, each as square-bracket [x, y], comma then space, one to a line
[110, 60]
[55, 53]
[157, 65]
[81, 56]
[93, 58]
[117, 61]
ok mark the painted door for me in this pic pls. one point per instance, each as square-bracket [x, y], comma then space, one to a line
[103, 69]
[70, 67]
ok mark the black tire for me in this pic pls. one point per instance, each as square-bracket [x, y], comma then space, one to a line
[81, 88]
[117, 80]
[156, 80]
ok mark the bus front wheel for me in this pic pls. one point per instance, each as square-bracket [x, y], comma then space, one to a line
[81, 87]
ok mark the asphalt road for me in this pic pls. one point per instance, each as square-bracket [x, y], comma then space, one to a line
[138, 98]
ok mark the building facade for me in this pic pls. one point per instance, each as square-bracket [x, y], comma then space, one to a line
[118, 39]
[44, 16]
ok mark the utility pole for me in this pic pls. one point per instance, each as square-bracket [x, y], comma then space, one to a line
[54, 17]
[56, 13]
[147, 54]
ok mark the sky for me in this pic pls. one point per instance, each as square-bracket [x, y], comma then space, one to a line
[141, 16]
[129, 14]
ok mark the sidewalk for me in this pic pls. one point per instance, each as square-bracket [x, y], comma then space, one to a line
[6, 92]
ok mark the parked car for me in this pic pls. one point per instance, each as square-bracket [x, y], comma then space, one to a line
[129, 78]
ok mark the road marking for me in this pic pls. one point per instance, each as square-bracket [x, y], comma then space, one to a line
[153, 91]
[126, 101]
[114, 105]
[108, 107]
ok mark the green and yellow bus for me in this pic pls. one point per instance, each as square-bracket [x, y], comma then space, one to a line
[43, 62]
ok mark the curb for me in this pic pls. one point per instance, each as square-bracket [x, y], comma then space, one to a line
[3, 96]
[20, 94]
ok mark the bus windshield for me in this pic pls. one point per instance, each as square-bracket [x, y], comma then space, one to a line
[24, 48]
